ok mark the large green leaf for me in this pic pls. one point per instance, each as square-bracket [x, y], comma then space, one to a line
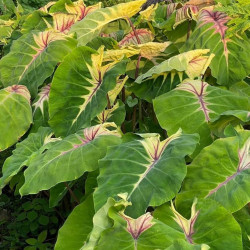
[68, 159]
[33, 58]
[220, 172]
[146, 171]
[91, 26]
[77, 227]
[143, 233]
[231, 62]
[209, 224]
[192, 105]
[79, 89]
[23, 153]
[15, 114]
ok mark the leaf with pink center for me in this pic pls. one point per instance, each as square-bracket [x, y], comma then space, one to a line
[221, 172]
[15, 114]
[193, 105]
[210, 226]
[33, 58]
[144, 36]
[127, 233]
[231, 62]
[41, 109]
[69, 159]
[148, 171]
[80, 9]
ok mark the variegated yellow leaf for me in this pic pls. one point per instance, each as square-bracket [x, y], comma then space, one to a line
[149, 13]
[118, 88]
[89, 80]
[118, 55]
[92, 24]
[152, 49]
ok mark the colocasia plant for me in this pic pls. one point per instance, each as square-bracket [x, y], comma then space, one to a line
[151, 106]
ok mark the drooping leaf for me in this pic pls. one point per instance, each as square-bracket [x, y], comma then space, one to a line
[79, 89]
[77, 227]
[147, 171]
[231, 62]
[15, 114]
[193, 63]
[220, 172]
[168, 74]
[23, 153]
[192, 105]
[209, 224]
[118, 54]
[92, 24]
[69, 159]
[33, 58]
[156, 85]
[144, 36]
[151, 50]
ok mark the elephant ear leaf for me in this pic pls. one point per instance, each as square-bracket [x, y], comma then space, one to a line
[168, 74]
[144, 36]
[91, 26]
[194, 63]
[209, 225]
[231, 62]
[79, 89]
[15, 114]
[33, 57]
[23, 153]
[79, 221]
[192, 105]
[69, 159]
[221, 172]
[146, 171]
[135, 233]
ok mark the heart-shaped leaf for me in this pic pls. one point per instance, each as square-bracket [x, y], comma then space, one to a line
[147, 171]
[192, 105]
[15, 114]
[220, 172]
